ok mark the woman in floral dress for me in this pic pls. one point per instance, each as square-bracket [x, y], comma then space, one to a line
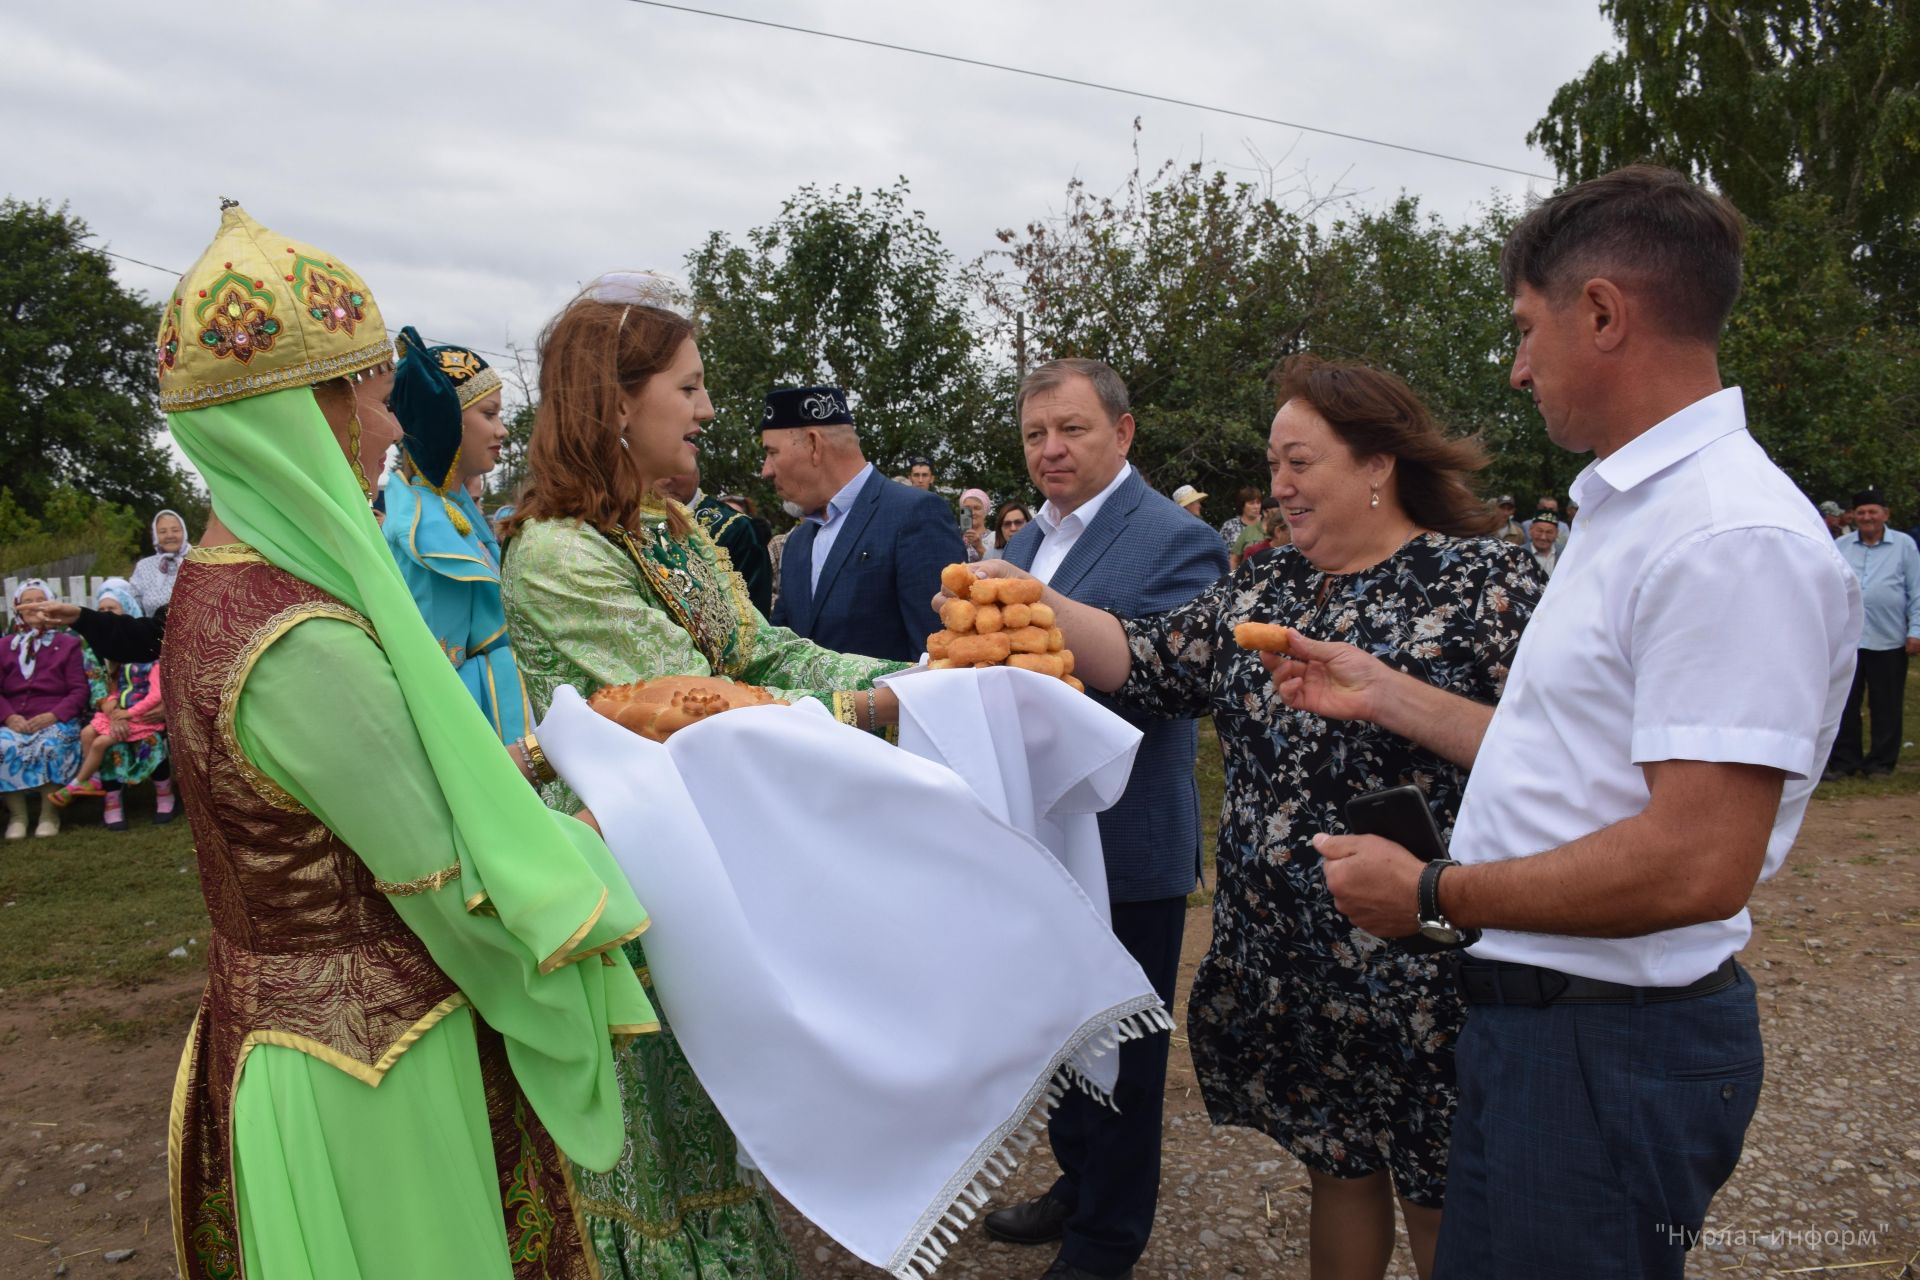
[1336, 1043]
[605, 584]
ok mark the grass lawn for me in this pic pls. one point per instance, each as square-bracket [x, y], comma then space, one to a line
[92, 907]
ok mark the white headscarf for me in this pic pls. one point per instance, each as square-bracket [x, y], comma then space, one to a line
[122, 593]
[154, 576]
[27, 642]
[170, 561]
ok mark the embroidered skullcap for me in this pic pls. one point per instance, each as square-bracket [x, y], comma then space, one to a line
[261, 312]
[806, 407]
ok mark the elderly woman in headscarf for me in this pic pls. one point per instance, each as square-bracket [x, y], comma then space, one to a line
[448, 402]
[153, 576]
[414, 970]
[43, 692]
[125, 743]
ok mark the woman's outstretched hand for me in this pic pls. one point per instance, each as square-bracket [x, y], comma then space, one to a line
[1328, 679]
[50, 613]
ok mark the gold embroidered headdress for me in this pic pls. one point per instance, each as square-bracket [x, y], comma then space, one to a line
[259, 312]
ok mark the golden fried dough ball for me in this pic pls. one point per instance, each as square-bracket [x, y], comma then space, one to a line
[1021, 590]
[1268, 637]
[1028, 640]
[1016, 616]
[1040, 615]
[937, 643]
[1073, 682]
[1066, 660]
[956, 580]
[1056, 640]
[1047, 664]
[987, 619]
[986, 591]
[971, 650]
[957, 616]
[940, 664]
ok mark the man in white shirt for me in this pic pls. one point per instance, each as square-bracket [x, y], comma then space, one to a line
[1666, 719]
[1888, 566]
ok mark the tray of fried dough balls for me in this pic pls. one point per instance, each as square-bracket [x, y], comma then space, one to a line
[998, 622]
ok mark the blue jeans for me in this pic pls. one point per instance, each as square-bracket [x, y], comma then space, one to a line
[1590, 1138]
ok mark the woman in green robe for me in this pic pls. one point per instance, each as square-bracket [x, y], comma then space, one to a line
[606, 584]
[398, 1028]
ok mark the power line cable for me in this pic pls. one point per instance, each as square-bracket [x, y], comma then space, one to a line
[1094, 84]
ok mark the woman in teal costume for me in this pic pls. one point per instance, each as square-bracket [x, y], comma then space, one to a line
[448, 403]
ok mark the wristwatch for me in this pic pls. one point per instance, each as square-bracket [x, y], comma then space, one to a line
[1433, 925]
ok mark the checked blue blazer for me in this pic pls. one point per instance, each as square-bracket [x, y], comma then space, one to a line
[877, 587]
[1143, 555]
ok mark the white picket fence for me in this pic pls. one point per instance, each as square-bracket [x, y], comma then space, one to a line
[80, 589]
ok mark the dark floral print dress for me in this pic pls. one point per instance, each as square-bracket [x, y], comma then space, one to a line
[1337, 1044]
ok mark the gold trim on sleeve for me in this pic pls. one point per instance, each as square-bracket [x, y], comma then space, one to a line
[276, 627]
[565, 954]
[620, 941]
[422, 884]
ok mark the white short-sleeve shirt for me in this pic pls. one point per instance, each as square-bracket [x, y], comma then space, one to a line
[1702, 614]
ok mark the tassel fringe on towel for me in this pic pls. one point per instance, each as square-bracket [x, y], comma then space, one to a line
[966, 1195]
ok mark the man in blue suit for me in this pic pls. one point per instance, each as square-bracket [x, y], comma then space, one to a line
[861, 569]
[1104, 538]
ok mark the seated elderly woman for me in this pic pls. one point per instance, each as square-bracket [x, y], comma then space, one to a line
[43, 694]
[125, 742]
[1336, 1043]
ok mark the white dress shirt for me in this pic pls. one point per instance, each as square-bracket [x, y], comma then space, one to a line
[1061, 532]
[831, 520]
[1703, 615]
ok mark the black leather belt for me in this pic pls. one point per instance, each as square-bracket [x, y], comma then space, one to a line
[1499, 982]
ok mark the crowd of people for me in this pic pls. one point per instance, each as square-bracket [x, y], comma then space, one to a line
[1610, 751]
[77, 717]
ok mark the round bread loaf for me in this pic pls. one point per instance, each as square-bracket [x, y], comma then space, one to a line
[655, 708]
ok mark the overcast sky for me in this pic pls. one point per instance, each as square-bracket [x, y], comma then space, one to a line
[476, 161]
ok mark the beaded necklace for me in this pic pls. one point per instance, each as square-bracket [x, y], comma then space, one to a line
[701, 592]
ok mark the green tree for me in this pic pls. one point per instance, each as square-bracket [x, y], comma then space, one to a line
[70, 524]
[77, 393]
[853, 289]
[1765, 99]
[1832, 389]
[1194, 285]
[1413, 295]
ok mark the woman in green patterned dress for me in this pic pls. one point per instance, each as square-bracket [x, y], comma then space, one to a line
[605, 584]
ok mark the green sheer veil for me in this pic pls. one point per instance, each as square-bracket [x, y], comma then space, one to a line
[280, 481]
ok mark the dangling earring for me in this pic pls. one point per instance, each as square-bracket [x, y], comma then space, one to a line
[353, 456]
[1376, 497]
